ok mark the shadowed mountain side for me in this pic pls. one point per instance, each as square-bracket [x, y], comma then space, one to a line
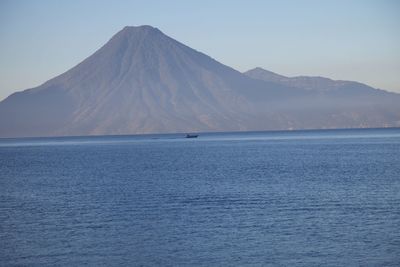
[143, 81]
[30, 113]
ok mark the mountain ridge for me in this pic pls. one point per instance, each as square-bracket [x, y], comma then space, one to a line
[303, 81]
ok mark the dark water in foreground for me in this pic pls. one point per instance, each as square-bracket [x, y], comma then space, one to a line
[329, 198]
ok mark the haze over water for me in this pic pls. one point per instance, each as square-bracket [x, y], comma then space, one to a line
[303, 198]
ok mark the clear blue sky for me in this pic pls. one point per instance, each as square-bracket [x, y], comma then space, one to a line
[342, 39]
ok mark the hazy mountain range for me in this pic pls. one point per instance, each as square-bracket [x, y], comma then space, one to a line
[142, 81]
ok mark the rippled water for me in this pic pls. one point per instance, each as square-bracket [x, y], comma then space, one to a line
[329, 198]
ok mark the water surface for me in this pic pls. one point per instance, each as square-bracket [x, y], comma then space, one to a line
[304, 198]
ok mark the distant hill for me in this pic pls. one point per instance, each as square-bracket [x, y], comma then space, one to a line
[142, 81]
[320, 84]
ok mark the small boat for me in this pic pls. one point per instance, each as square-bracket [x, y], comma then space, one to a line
[192, 135]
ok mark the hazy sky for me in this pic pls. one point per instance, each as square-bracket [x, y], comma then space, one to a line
[342, 39]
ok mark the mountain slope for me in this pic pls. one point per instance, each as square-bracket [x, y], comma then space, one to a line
[142, 81]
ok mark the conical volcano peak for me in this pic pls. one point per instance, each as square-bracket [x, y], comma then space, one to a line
[138, 33]
[143, 29]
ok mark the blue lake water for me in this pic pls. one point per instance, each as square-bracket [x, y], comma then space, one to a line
[301, 198]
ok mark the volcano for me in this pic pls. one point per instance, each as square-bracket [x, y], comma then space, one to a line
[142, 81]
